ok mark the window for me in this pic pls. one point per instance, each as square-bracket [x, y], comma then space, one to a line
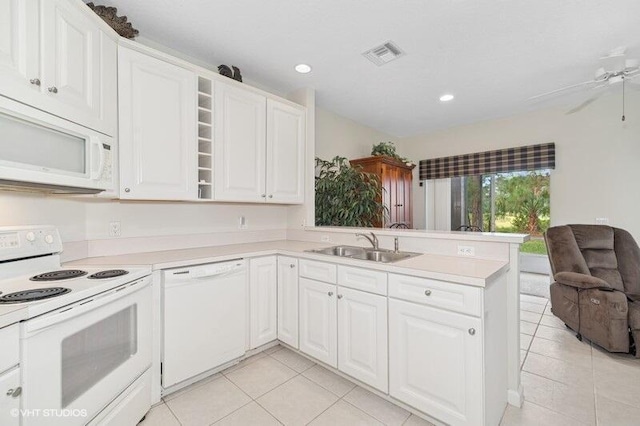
[516, 202]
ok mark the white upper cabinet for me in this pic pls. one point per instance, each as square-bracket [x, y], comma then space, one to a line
[259, 147]
[285, 152]
[56, 57]
[19, 48]
[263, 299]
[158, 142]
[239, 144]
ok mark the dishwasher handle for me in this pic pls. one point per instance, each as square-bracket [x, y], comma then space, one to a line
[193, 275]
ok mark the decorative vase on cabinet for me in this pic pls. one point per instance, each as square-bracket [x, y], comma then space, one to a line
[396, 178]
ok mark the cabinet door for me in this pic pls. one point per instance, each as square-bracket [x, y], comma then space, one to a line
[158, 152]
[263, 287]
[285, 152]
[362, 337]
[239, 145]
[77, 56]
[318, 321]
[9, 403]
[288, 300]
[20, 50]
[435, 362]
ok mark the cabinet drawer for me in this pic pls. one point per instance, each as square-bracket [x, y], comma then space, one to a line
[10, 344]
[319, 271]
[454, 297]
[363, 279]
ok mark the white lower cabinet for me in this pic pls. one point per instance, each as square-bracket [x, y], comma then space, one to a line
[436, 362]
[318, 320]
[288, 300]
[263, 288]
[10, 397]
[362, 337]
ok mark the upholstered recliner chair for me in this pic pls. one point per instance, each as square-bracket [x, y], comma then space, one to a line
[596, 269]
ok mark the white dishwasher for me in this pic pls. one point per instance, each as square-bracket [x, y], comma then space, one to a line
[204, 316]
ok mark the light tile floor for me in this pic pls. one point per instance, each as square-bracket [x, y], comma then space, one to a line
[277, 387]
[567, 382]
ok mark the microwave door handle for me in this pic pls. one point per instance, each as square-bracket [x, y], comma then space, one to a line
[36, 326]
[96, 148]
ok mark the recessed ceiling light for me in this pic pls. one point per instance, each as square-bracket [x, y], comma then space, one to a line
[446, 98]
[303, 68]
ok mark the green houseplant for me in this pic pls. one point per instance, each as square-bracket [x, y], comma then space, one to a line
[387, 149]
[345, 195]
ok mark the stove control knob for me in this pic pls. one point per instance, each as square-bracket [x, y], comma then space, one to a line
[31, 236]
[48, 239]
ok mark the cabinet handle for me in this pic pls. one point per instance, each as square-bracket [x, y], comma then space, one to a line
[270, 195]
[339, 296]
[472, 331]
[14, 392]
[330, 293]
[263, 195]
[293, 265]
[127, 190]
[35, 81]
[53, 89]
[427, 292]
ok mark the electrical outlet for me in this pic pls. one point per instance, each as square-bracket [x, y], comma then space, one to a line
[325, 239]
[114, 229]
[242, 222]
[466, 251]
[602, 220]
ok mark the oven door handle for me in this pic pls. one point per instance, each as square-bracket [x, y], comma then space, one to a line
[38, 325]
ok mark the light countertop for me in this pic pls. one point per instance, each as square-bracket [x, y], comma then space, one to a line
[468, 271]
[461, 270]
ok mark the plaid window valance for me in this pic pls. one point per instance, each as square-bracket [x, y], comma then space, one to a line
[532, 157]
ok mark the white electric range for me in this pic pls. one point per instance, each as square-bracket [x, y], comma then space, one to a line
[86, 341]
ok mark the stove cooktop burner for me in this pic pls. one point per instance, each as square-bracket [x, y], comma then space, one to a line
[111, 273]
[32, 295]
[63, 274]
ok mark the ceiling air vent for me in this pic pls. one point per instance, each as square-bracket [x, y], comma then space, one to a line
[383, 54]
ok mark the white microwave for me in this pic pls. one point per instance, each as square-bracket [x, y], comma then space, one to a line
[43, 152]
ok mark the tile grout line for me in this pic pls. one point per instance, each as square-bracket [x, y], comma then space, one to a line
[173, 414]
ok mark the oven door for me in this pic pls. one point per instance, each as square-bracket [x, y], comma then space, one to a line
[78, 359]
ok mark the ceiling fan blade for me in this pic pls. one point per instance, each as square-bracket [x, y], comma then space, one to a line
[585, 104]
[562, 89]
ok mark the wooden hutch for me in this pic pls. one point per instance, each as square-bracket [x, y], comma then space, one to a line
[396, 178]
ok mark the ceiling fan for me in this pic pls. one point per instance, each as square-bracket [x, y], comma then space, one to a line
[614, 69]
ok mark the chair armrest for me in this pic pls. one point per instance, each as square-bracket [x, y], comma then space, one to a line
[581, 281]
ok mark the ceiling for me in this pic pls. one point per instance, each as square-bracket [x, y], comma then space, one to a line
[492, 54]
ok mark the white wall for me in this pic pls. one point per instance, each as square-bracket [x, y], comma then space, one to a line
[22, 208]
[597, 157]
[143, 219]
[337, 135]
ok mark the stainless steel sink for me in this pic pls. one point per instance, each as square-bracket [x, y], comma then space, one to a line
[361, 253]
[344, 251]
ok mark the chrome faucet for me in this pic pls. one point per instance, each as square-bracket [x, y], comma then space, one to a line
[372, 239]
